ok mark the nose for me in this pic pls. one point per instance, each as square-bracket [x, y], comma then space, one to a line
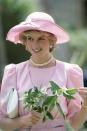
[35, 44]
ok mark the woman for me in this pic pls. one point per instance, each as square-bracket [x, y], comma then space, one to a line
[40, 34]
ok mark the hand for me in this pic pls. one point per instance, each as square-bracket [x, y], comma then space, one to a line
[31, 119]
[83, 93]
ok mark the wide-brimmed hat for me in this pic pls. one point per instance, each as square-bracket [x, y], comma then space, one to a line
[38, 21]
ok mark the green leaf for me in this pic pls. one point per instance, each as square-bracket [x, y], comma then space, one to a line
[44, 119]
[67, 95]
[50, 102]
[71, 91]
[38, 100]
[60, 110]
[54, 87]
[49, 115]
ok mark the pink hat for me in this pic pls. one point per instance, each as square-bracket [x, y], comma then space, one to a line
[38, 21]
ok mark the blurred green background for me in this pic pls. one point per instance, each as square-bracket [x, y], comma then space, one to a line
[70, 14]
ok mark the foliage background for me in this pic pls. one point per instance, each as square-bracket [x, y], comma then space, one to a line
[72, 18]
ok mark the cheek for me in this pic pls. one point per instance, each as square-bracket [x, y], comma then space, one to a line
[46, 46]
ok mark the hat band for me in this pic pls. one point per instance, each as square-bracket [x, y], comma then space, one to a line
[30, 21]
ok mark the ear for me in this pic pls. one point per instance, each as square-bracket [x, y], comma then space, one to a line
[51, 46]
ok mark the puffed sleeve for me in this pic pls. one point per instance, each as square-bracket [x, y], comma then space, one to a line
[8, 82]
[74, 80]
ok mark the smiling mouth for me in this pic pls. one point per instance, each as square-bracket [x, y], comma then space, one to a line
[37, 50]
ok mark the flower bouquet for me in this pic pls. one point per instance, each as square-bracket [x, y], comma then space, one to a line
[38, 100]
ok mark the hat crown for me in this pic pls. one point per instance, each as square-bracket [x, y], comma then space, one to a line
[38, 21]
[40, 16]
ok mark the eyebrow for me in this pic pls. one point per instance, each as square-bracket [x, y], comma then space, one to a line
[25, 34]
[41, 35]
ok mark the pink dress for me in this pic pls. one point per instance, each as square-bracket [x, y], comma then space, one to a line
[22, 76]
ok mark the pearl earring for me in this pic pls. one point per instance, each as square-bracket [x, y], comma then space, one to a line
[51, 46]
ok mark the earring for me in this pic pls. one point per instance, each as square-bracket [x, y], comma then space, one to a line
[51, 46]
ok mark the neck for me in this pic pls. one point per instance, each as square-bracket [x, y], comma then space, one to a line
[41, 62]
[41, 58]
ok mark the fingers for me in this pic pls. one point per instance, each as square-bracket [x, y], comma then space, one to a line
[35, 117]
[37, 114]
[83, 91]
[31, 119]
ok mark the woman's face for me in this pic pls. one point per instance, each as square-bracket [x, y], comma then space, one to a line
[37, 43]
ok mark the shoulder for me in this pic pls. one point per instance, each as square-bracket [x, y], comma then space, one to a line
[74, 73]
[13, 67]
[72, 70]
[9, 69]
[10, 66]
[22, 64]
[69, 66]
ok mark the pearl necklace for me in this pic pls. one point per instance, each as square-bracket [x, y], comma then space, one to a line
[43, 64]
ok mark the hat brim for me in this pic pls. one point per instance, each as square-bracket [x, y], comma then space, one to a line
[61, 35]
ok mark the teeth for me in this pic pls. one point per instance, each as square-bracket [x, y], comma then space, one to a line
[36, 50]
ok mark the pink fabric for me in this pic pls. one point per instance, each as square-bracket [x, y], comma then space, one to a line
[38, 21]
[23, 77]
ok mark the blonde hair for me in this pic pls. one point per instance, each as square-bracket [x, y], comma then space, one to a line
[52, 38]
